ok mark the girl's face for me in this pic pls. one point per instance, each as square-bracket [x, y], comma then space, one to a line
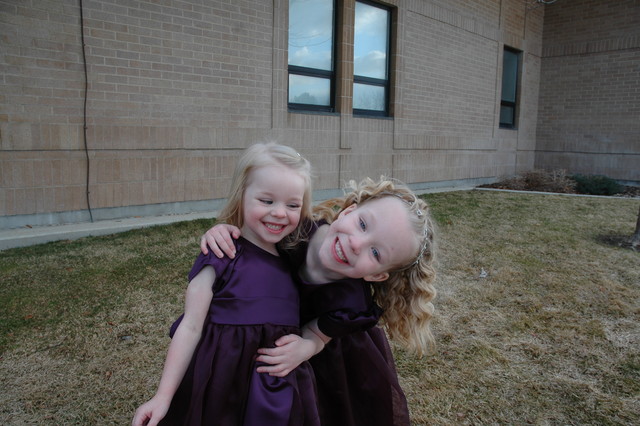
[271, 204]
[369, 240]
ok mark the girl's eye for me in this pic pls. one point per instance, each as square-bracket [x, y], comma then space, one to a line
[375, 253]
[266, 201]
[363, 225]
[294, 206]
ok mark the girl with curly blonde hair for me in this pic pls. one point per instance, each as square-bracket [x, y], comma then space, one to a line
[405, 296]
[367, 260]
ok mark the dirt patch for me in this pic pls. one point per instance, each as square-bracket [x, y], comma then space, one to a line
[630, 191]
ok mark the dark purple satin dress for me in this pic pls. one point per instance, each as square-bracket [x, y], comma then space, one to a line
[255, 302]
[355, 372]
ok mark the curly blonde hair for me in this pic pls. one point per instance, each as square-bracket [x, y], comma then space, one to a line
[407, 294]
[261, 155]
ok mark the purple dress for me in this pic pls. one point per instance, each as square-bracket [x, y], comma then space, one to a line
[255, 302]
[355, 372]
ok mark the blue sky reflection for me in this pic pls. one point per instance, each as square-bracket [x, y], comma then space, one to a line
[370, 41]
[311, 33]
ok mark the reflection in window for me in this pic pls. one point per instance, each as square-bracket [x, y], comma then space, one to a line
[309, 90]
[371, 59]
[508, 98]
[311, 57]
[368, 97]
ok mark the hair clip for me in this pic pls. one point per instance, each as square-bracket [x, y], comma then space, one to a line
[422, 249]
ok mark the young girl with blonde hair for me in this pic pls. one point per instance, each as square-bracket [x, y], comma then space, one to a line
[233, 307]
[368, 259]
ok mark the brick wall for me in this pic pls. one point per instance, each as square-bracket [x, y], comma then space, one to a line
[589, 116]
[177, 89]
[173, 92]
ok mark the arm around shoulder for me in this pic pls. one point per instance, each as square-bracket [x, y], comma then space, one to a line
[220, 240]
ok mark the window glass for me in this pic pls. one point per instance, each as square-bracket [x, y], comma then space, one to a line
[369, 97]
[311, 33]
[509, 76]
[509, 95]
[371, 39]
[309, 90]
[506, 115]
[371, 59]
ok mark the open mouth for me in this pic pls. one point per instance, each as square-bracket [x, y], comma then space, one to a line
[339, 253]
[275, 228]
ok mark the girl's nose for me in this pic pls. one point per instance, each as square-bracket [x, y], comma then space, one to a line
[278, 211]
[356, 243]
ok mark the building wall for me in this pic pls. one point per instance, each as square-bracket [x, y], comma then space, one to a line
[177, 89]
[589, 118]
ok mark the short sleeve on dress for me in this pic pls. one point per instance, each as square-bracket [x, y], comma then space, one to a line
[342, 322]
[222, 267]
[345, 307]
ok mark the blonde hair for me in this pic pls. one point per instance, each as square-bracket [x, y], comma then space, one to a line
[261, 155]
[407, 294]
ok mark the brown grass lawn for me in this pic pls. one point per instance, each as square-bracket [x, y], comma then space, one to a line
[549, 334]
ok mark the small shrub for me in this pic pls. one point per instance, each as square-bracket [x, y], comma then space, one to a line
[596, 185]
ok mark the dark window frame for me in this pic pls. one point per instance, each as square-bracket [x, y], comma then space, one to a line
[385, 83]
[512, 105]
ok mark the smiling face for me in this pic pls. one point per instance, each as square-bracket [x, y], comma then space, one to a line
[369, 240]
[271, 205]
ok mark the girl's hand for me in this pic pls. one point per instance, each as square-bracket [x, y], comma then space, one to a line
[151, 412]
[290, 351]
[219, 239]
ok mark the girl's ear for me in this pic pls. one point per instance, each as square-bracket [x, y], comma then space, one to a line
[348, 210]
[381, 276]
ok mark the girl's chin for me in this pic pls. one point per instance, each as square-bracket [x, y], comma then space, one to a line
[329, 264]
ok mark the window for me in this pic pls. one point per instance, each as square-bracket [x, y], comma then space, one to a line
[371, 59]
[311, 55]
[509, 97]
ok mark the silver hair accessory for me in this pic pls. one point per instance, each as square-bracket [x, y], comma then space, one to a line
[422, 249]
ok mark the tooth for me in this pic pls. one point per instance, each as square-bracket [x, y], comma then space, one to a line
[339, 252]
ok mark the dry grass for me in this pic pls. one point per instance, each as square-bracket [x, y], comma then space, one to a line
[551, 335]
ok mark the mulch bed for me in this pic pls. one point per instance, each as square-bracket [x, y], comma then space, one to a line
[627, 192]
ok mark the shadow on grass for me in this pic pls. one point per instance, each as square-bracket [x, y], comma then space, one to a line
[616, 240]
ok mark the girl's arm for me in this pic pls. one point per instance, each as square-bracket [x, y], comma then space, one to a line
[181, 348]
[219, 239]
[292, 350]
